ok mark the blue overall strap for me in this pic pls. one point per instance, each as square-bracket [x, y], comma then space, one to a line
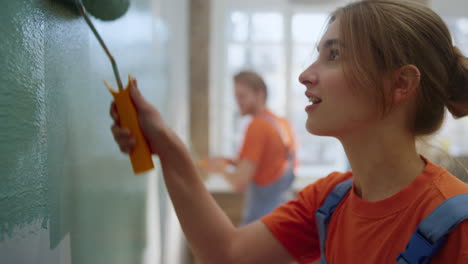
[431, 234]
[324, 213]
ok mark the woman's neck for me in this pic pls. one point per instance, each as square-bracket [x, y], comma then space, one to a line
[382, 163]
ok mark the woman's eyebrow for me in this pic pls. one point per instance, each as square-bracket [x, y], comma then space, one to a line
[328, 43]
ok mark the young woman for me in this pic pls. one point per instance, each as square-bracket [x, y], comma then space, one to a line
[385, 73]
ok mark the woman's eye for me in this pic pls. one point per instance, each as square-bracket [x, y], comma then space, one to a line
[334, 55]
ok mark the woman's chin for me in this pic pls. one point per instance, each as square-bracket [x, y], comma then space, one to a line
[315, 129]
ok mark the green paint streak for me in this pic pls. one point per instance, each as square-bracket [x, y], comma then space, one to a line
[23, 151]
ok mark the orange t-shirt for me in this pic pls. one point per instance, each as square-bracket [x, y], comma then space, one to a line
[264, 147]
[368, 232]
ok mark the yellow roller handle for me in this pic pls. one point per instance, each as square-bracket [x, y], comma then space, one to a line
[140, 156]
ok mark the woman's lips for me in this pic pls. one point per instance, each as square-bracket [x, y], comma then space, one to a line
[311, 107]
[314, 99]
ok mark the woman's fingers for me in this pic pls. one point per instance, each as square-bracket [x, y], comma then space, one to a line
[121, 135]
[123, 138]
[125, 148]
[113, 113]
[137, 98]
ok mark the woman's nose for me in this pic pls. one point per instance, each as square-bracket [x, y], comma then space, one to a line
[309, 76]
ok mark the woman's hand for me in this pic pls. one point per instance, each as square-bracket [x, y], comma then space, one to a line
[150, 120]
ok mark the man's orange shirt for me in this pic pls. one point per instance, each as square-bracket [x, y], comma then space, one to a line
[368, 232]
[264, 147]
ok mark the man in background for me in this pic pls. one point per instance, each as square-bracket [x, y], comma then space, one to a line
[264, 168]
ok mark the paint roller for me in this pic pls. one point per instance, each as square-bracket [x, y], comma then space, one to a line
[108, 10]
[101, 9]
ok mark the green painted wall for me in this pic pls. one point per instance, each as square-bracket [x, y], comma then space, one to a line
[61, 174]
[22, 117]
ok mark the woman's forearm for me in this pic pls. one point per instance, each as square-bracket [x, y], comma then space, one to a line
[208, 230]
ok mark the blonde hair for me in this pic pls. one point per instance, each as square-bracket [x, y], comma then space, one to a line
[381, 36]
[253, 80]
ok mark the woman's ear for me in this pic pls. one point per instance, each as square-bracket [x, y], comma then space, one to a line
[406, 82]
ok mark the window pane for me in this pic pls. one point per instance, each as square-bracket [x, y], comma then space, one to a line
[276, 93]
[236, 57]
[460, 34]
[267, 27]
[303, 56]
[307, 28]
[238, 26]
[268, 60]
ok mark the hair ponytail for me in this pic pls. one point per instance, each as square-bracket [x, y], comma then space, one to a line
[457, 101]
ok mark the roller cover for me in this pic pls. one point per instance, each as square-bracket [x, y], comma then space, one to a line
[141, 154]
[106, 10]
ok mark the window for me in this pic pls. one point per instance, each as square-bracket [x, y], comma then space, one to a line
[255, 41]
[279, 44]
